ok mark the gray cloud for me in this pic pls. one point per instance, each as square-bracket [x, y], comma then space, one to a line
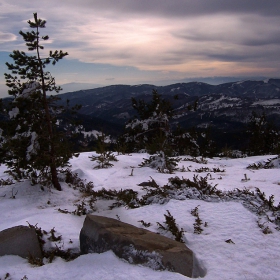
[178, 36]
[176, 8]
[244, 30]
[7, 37]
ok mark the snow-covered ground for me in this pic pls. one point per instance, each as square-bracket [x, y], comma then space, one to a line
[252, 255]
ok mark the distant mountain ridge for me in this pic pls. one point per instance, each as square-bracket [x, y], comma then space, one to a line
[226, 108]
[113, 103]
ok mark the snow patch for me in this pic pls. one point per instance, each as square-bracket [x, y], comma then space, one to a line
[267, 102]
[14, 112]
[30, 88]
[33, 147]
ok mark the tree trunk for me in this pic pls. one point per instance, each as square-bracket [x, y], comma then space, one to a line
[55, 181]
[52, 163]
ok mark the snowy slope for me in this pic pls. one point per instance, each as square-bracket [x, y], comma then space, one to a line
[253, 255]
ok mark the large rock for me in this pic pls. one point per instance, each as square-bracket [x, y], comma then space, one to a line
[138, 246]
[21, 241]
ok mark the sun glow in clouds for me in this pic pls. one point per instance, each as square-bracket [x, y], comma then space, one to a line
[186, 38]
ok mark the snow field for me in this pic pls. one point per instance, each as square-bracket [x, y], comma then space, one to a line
[252, 255]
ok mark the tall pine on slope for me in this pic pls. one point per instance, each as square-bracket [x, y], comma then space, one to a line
[34, 147]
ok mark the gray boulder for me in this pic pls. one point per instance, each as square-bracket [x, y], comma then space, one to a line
[21, 241]
[137, 246]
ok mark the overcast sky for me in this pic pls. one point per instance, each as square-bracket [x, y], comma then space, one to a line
[150, 41]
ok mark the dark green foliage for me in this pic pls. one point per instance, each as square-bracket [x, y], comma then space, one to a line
[198, 188]
[263, 165]
[52, 237]
[107, 194]
[6, 182]
[34, 147]
[172, 227]
[86, 188]
[201, 184]
[55, 251]
[156, 106]
[194, 106]
[185, 142]
[7, 276]
[127, 198]
[144, 223]
[206, 169]
[228, 152]
[202, 169]
[263, 136]
[161, 162]
[198, 222]
[229, 241]
[121, 146]
[266, 203]
[207, 146]
[218, 170]
[160, 143]
[81, 209]
[105, 157]
[197, 160]
[154, 193]
[73, 180]
[150, 130]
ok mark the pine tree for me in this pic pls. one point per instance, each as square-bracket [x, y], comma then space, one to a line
[150, 130]
[105, 157]
[34, 145]
[185, 142]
